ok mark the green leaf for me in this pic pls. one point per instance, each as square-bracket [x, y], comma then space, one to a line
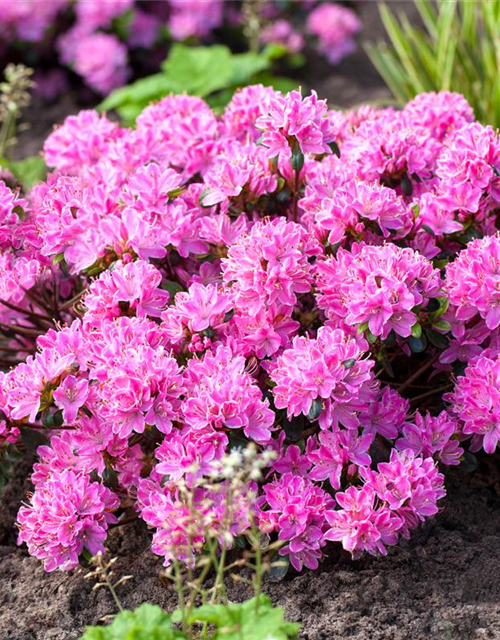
[245, 66]
[144, 90]
[335, 148]
[442, 325]
[198, 70]
[33, 438]
[297, 159]
[315, 410]
[416, 330]
[28, 171]
[417, 345]
[293, 428]
[362, 327]
[437, 339]
[171, 287]
[147, 622]
[255, 619]
[349, 364]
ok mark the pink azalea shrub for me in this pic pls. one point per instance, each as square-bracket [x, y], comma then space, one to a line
[102, 41]
[283, 275]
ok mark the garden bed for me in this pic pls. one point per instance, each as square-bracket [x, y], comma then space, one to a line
[443, 584]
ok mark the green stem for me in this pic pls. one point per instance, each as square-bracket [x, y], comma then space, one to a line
[180, 593]
[6, 132]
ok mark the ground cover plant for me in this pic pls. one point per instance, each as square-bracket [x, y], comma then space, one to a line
[106, 43]
[320, 284]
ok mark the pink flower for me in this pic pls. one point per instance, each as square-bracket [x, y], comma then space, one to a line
[335, 27]
[80, 141]
[133, 289]
[70, 395]
[360, 524]
[221, 394]
[194, 18]
[100, 58]
[430, 436]
[292, 462]
[471, 281]
[329, 370]
[379, 287]
[67, 514]
[293, 118]
[475, 401]
[297, 510]
[281, 32]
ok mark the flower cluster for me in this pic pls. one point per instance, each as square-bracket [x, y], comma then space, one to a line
[392, 501]
[282, 275]
[475, 401]
[69, 514]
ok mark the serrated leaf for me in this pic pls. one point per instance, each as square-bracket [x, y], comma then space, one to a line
[255, 619]
[198, 70]
[147, 622]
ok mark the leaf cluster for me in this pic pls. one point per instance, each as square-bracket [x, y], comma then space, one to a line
[457, 49]
[255, 619]
[212, 73]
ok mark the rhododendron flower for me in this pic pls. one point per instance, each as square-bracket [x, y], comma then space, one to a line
[79, 142]
[100, 58]
[293, 118]
[409, 485]
[194, 19]
[70, 395]
[378, 286]
[432, 436]
[471, 281]
[293, 462]
[201, 307]
[386, 415]
[270, 264]
[132, 288]
[69, 513]
[360, 524]
[298, 510]
[335, 26]
[328, 369]
[475, 401]
[355, 204]
[281, 32]
[174, 289]
[221, 394]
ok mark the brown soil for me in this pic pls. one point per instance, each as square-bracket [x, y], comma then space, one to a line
[443, 584]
